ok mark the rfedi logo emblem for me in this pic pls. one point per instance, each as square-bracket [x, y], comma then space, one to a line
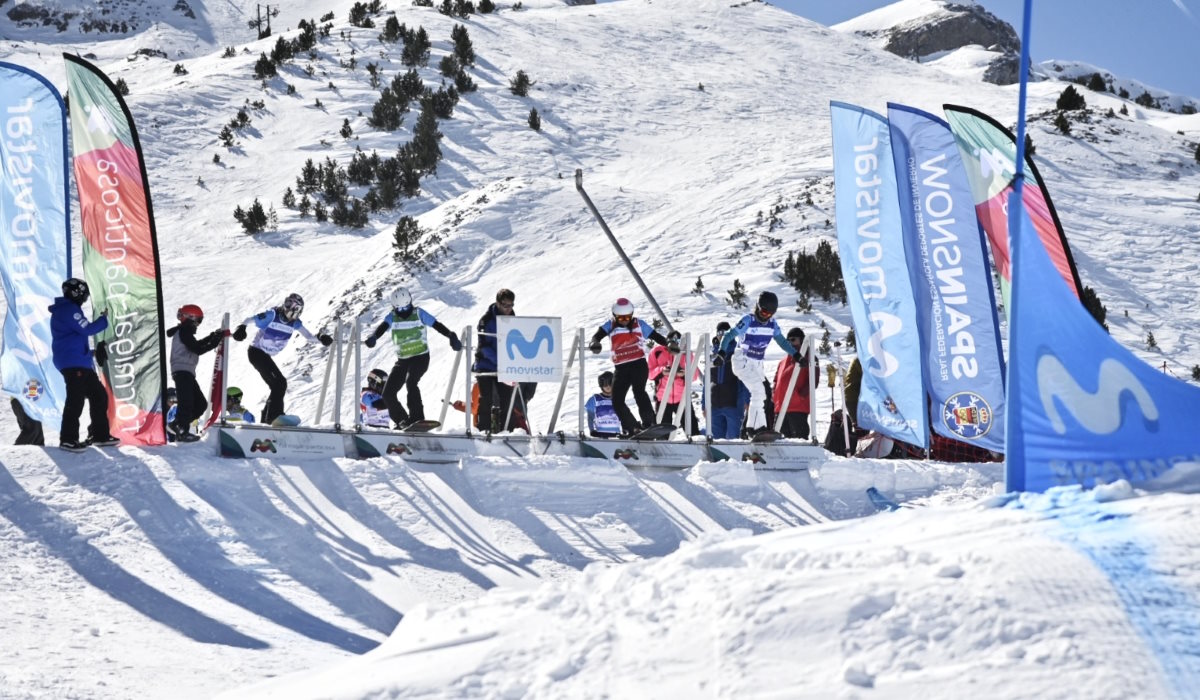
[1099, 412]
[529, 349]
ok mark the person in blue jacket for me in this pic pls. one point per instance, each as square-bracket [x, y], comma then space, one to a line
[603, 421]
[407, 324]
[727, 410]
[69, 333]
[275, 328]
[494, 396]
[753, 334]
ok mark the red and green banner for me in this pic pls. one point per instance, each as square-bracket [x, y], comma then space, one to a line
[989, 152]
[120, 252]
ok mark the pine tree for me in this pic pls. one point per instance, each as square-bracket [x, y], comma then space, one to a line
[1062, 123]
[1198, 153]
[824, 348]
[535, 120]
[1096, 83]
[851, 340]
[1070, 99]
[448, 66]
[424, 146]
[122, 87]
[463, 50]
[264, 68]
[346, 131]
[699, 286]
[520, 84]
[407, 235]
[1091, 302]
[1196, 372]
[1151, 343]
[226, 136]
[486, 7]
[737, 295]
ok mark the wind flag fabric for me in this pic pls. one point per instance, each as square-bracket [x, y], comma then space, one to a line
[120, 252]
[35, 237]
[989, 152]
[878, 288]
[951, 278]
[1090, 410]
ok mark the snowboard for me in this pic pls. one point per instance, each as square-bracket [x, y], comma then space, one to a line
[880, 501]
[654, 432]
[422, 426]
[286, 420]
[766, 436]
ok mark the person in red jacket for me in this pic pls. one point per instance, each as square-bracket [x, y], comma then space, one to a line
[795, 419]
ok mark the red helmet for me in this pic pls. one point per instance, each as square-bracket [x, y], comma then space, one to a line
[190, 312]
[623, 307]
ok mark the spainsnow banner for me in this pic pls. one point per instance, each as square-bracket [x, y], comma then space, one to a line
[529, 349]
[35, 236]
[989, 151]
[120, 252]
[878, 288]
[951, 274]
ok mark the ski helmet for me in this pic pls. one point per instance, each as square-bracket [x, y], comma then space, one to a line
[401, 300]
[172, 395]
[190, 312]
[605, 379]
[376, 379]
[292, 306]
[233, 394]
[767, 305]
[76, 290]
[623, 307]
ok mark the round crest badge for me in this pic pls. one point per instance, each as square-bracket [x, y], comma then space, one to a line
[33, 390]
[967, 415]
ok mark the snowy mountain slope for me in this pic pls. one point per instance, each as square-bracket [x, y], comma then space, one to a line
[170, 573]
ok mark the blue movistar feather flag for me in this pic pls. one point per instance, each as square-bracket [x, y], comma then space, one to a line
[870, 238]
[951, 276]
[1090, 410]
[35, 236]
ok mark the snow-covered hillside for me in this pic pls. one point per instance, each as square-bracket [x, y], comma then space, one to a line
[170, 573]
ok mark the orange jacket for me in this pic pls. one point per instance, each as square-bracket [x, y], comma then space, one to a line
[799, 402]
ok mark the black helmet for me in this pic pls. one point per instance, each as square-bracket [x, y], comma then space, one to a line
[376, 379]
[172, 397]
[292, 306]
[767, 305]
[76, 290]
[605, 379]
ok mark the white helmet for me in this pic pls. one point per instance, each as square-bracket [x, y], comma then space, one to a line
[400, 299]
[623, 307]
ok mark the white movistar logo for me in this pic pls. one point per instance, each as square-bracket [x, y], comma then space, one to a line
[98, 120]
[1098, 412]
[995, 164]
[886, 325]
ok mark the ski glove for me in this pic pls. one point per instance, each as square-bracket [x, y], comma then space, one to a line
[102, 353]
[370, 341]
[595, 347]
[325, 339]
[673, 346]
[797, 357]
[379, 404]
[455, 343]
[719, 358]
[239, 333]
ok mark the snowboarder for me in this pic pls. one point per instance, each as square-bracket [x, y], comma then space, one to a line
[186, 350]
[753, 333]
[494, 396]
[603, 421]
[373, 406]
[408, 324]
[275, 328]
[235, 412]
[727, 410]
[69, 333]
[627, 337]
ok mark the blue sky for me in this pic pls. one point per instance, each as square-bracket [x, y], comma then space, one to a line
[1147, 40]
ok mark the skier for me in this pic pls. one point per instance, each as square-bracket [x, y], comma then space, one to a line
[235, 412]
[753, 333]
[493, 395]
[603, 421]
[660, 364]
[408, 324]
[795, 408]
[185, 354]
[69, 332]
[373, 406]
[275, 328]
[627, 337]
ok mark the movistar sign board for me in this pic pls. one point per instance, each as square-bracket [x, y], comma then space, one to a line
[529, 349]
